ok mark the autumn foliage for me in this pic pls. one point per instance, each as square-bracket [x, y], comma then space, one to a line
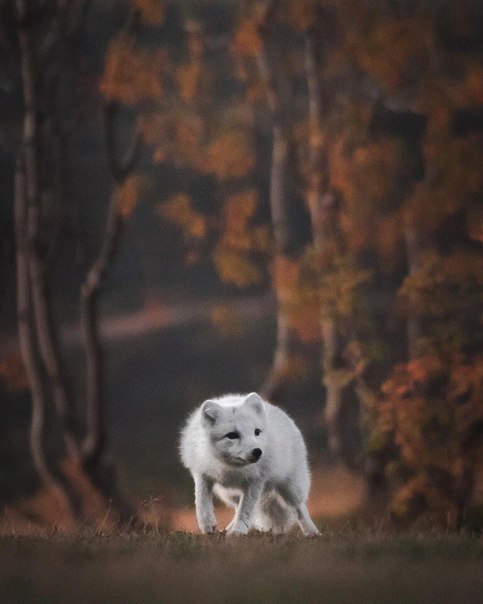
[431, 409]
[369, 234]
[378, 113]
[390, 187]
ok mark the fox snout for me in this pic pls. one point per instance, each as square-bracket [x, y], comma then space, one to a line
[256, 454]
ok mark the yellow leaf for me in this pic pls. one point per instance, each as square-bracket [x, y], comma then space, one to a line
[235, 268]
[247, 39]
[152, 11]
[223, 317]
[131, 75]
[188, 78]
[230, 156]
[127, 195]
[179, 211]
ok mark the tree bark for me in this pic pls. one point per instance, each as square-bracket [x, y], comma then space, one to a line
[326, 233]
[34, 289]
[95, 437]
[286, 340]
[100, 470]
[285, 336]
[34, 322]
[37, 271]
[317, 160]
[414, 259]
[26, 337]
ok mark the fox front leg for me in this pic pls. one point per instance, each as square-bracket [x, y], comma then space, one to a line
[243, 520]
[205, 514]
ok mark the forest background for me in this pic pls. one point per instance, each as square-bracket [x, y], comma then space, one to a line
[236, 196]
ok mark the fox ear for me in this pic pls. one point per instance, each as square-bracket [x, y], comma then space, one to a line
[210, 411]
[255, 403]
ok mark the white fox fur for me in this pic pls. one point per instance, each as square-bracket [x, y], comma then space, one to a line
[253, 457]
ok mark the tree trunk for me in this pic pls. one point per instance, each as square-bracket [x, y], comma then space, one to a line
[285, 337]
[86, 457]
[31, 294]
[286, 340]
[414, 258]
[334, 382]
[95, 439]
[50, 475]
[327, 240]
[27, 345]
[100, 470]
[317, 160]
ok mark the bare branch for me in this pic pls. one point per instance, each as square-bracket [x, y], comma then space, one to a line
[120, 167]
[267, 10]
[95, 428]
[76, 17]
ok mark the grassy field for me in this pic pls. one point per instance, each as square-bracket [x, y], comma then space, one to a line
[356, 565]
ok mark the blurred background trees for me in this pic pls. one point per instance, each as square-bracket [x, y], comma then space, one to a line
[328, 152]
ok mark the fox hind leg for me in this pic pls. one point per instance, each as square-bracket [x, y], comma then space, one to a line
[273, 515]
[306, 523]
[294, 497]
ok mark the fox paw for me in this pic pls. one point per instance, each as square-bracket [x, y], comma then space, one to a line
[237, 532]
[313, 534]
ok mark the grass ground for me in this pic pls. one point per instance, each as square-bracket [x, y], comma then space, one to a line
[356, 565]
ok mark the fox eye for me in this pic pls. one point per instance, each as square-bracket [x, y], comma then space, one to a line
[257, 431]
[232, 435]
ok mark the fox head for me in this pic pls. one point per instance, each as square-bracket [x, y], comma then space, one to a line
[236, 433]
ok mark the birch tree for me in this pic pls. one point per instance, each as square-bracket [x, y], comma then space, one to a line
[35, 192]
[45, 34]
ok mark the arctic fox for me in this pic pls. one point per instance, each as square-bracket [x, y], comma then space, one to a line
[253, 457]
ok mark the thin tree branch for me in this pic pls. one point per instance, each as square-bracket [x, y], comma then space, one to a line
[120, 167]
[94, 440]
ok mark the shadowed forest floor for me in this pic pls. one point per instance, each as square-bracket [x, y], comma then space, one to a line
[357, 565]
[335, 493]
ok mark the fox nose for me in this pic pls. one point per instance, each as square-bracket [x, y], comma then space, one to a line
[257, 453]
